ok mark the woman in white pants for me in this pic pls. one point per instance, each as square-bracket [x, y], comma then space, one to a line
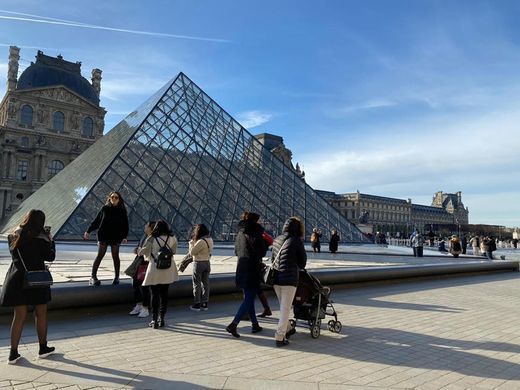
[288, 257]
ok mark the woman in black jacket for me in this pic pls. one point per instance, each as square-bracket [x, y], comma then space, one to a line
[112, 226]
[30, 246]
[292, 257]
[250, 247]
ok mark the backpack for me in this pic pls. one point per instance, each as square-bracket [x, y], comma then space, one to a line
[456, 246]
[163, 260]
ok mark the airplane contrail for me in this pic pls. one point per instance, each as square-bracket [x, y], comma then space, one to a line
[70, 23]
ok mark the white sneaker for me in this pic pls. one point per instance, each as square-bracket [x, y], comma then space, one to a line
[144, 312]
[136, 310]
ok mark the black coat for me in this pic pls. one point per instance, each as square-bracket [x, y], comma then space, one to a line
[34, 252]
[333, 243]
[250, 247]
[292, 258]
[112, 224]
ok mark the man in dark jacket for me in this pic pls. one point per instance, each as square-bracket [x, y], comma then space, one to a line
[289, 257]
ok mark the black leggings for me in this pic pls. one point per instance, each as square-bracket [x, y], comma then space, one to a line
[102, 249]
[159, 300]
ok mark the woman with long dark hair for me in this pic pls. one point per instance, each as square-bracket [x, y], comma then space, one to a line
[200, 247]
[158, 279]
[112, 226]
[30, 245]
[250, 247]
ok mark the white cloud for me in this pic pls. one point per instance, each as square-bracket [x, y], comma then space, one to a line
[250, 119]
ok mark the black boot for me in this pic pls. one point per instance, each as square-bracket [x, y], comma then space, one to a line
[265, 303]
[255, 328]
[232, 328]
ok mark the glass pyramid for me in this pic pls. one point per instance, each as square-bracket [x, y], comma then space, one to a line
[182, 158]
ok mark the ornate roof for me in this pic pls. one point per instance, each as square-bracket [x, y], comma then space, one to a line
[49, 71]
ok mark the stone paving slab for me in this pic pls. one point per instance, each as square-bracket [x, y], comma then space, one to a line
[456, 333]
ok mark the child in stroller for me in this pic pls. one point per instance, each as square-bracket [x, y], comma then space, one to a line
[312, 303]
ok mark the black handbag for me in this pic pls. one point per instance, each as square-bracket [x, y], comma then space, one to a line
[35, 279]
[269, 272]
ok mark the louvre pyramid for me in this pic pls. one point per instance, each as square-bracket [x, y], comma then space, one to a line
[182, 158]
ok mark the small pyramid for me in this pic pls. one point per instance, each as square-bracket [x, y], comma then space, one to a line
[182, 158]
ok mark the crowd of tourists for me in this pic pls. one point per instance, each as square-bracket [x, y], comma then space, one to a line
[27, 282]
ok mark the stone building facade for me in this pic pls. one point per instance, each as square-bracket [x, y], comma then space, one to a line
[398, 215]
[275, 144]
[48, 116]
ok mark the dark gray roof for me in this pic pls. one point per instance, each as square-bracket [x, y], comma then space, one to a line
[50, 72]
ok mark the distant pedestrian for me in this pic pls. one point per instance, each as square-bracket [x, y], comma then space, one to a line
[417, 243]
[464, 243]
[160, 244]
[112, 225]
[250, 247]
[30, 246]
[316, 240]
[475, 244]
[515, 243]
[200, 248]
[455, 246]
[291, 258]
[137, 271]
[334, 240]
[491, 247]
[442, 246]
[431, 237]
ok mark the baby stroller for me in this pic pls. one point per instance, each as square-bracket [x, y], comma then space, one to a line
[311, 303]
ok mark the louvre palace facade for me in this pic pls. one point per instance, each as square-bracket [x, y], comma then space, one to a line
[49, 115]
[399, 215]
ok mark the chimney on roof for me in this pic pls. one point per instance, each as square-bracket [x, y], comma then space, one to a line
[12, 68]
[96, 80]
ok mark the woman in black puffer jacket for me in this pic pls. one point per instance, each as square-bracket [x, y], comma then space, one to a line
[292, 258]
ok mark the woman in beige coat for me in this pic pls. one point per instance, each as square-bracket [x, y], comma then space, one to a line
[159, 279]
[200, 248]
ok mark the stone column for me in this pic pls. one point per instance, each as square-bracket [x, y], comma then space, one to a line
[12, 68]
[96, 80]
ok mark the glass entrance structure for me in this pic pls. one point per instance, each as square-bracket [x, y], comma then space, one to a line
[182, 158]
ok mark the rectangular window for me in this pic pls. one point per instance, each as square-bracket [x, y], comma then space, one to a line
[21, 173]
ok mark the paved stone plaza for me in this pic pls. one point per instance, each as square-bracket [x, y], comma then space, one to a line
[451, 333]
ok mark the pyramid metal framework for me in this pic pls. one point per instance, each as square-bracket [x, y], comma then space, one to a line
[180, 157]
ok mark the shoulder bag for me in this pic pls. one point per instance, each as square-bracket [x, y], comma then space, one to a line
[269, 272]
[35, 279]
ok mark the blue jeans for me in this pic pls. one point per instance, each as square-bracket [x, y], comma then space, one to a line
[247, 306]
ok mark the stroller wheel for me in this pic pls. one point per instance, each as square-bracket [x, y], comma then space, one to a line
[337, 327]
[315, 331]
[293, 323]
[330, 325]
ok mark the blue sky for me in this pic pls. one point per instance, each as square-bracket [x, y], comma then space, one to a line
[392, 98]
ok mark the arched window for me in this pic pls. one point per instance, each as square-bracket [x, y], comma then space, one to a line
[26, 115]
[88, 127]
[58, 121]
[54, 167]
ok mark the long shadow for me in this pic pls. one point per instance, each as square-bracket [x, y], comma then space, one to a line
[396, 347]
[110, 375]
